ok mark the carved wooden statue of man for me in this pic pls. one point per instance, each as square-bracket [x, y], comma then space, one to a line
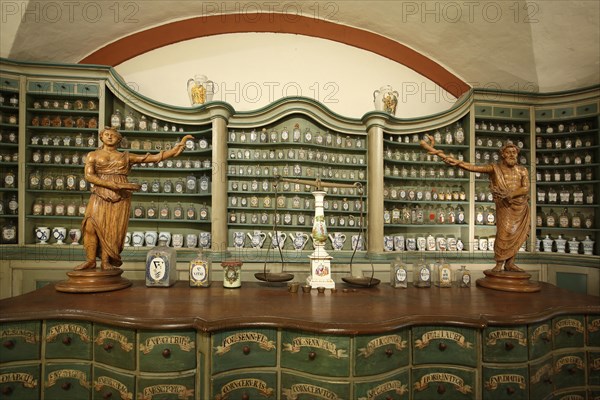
[509, 183]
[107, 214]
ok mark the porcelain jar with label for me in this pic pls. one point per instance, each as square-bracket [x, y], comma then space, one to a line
[160, 265]
[232, 274]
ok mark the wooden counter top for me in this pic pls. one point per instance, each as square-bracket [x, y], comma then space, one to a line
[352, 311]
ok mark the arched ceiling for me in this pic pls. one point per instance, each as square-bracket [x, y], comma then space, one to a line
[521, 45]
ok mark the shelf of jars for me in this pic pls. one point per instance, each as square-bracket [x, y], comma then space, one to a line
[567, 178]
[9, 167]
[175, 196]
[259, 202]
[426, 202]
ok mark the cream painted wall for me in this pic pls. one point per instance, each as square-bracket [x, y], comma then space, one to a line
[251, 70]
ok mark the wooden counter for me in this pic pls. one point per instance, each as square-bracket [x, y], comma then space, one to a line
[222, 343]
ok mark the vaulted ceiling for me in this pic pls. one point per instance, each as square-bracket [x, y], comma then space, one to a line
[545, 46]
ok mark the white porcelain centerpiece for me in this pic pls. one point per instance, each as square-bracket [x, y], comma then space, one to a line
[386, 99]
[200, 90]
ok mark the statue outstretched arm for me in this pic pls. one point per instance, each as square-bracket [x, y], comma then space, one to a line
[451, 160]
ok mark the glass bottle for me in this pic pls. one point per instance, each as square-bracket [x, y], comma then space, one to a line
[463, 277]
[422, 273]
[129, 122]
[8, 233]
[115, 119]
[200, 268]
[160, 265]
[35, 180]
[38, 207]
[165, 211]
[563, 219]
[178, 211]
[152, 211]
[398, 274]
[551, 219]
[442, 274]
[191, 213]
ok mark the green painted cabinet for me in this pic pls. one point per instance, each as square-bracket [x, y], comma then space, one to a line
[21, 382]
[68, 339]
[114, 346]
[243, 348]
[541, 378]
[300, 387]
[177, 387]
[20, 341]
[435, 382]
[569, 370]
[445, 345]
[317, 354]
[67, 381]
[392, 387]
[505, 344]
[110, 384]
[245, 385]
[505, 383]
[539, 338]
[167, 351]
[568, 331]
[375, 354]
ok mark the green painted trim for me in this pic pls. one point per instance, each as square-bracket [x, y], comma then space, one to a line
[537, 94]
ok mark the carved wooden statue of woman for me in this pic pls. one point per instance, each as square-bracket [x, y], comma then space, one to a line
[107, 214]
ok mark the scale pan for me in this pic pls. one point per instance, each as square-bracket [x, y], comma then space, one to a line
[361, 281]
[273, 276]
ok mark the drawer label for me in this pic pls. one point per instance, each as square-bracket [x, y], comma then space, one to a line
[323, 344]
[181, 391]
[374, 344]
[452, 379]
[257, 384]
[395, 386]
[568, 360]
[442, 334]
[594, 325]
[496, 380]
[106, 381]
[304, 388]
[28, 336]
[68, 328]
[55, 376]
[568, 323]
[27, 380]
[494, 336]
[184, 343]
[572, 397]
[539, 331]
[258, 338]
[116, 336]
[546, 370]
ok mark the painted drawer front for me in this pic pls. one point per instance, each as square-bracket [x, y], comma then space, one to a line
[112, 385]
[244, 348]
[505, 344]
[539, 339]
[20, 383]
[593, 330]
[564, 112]
[39, 86]
[483, 111]
[67, 381]
[63, 88]
[442, 383]
[316, 354]
[114, 346]
[161, 351]
[520, 113]
[569, 370]
[503, 112]
[587, 109]
[296, 387]
[593, 364]
[568, 331]
[541, 378]
[87, 89]
[170, 388]
[394, 387]
[247, 385]
[20, 341]
[9, 83]
[594, 394]
[374, 354]
[543, 115]
[505, 383]
[445, 345]
[68, 339]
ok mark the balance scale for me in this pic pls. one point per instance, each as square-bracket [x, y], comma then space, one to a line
[320, 260]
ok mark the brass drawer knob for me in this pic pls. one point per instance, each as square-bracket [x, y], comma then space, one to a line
[108, 347]
[508, 346]
[66, 386]
[246, 350]
[389, 352]
[569, 332]
[107, 395]
[245, 396]
[166, 353]
[312, 355]
[510, 390]
[8, 344]
[442, 346]
[67, 340]
[441, 389]
[548, 381]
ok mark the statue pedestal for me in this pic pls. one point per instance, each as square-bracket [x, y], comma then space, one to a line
[320, 266]
[93, 281]
[508, 281]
